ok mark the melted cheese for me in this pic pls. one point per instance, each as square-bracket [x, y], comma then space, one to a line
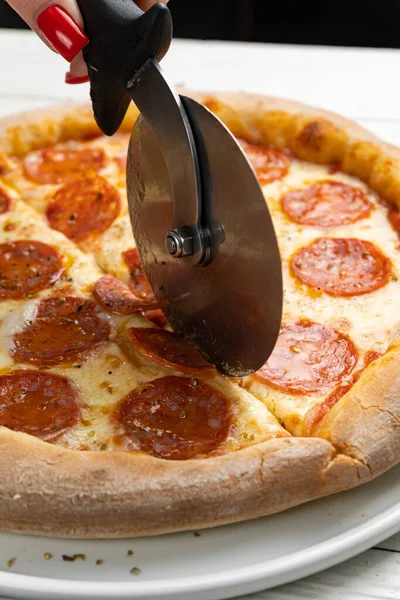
[371, 320]
[116, 240]
[106, 375]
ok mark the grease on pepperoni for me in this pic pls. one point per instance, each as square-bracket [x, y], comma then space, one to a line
[342, 266]
[26, 267]
[308, 358]
[37, 403]
[269, 165]
[156, 316]
[117, 298]
[138, 281]
[64, 330]
[175, 418]
[326, 204]
[320, 411]
[58, 165]
[140, 286]
[4, 201]
[169, 349]
[84, 207]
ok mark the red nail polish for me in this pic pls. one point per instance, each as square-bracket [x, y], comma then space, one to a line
[62, 32]
[73, 80]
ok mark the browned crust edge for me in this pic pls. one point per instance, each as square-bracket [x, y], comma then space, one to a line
[53, 491]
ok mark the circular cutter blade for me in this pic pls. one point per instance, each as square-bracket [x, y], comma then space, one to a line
[231, 308]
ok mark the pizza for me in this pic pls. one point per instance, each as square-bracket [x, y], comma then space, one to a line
[111, 425]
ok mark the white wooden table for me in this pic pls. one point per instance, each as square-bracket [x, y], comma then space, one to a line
[361, 84]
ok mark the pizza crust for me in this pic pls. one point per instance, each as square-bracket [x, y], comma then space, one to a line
[53, 491]
[365, 423]
[57, 492]
[313, 135]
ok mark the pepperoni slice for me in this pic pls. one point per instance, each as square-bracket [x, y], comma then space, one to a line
[156, 316]
[41, 404]
[308, 358]
[394, 218]
[26, 267]
[53, 165]
[326, 204]
[138, 283]
[168, 349]
[342, 267]
[141, 287]
[319, 412]
[269, 165]
[65, 328]
[175, 418]
[84, 207]
[4, 201]
[117, 298]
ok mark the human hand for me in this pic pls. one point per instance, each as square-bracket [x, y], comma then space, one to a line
[60, 25]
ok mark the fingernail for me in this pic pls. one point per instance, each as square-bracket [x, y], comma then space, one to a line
[73, 80]
[62, 32]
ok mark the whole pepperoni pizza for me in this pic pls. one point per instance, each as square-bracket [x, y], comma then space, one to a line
[111, 425]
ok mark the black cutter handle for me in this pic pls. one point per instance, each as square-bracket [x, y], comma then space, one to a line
[121, 39]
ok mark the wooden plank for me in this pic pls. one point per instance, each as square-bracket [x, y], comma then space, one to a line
[374, 575]
[392, 544]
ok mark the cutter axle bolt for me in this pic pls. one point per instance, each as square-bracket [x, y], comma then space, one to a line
[171, 245]
[178, 245]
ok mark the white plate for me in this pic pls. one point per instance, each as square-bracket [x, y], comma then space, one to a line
[220, 563]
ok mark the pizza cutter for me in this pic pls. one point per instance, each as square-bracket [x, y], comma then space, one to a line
[202, 228]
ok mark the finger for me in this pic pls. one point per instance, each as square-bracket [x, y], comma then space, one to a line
[78, 72]
[78, 67]
[57, 22]
[29, 10]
